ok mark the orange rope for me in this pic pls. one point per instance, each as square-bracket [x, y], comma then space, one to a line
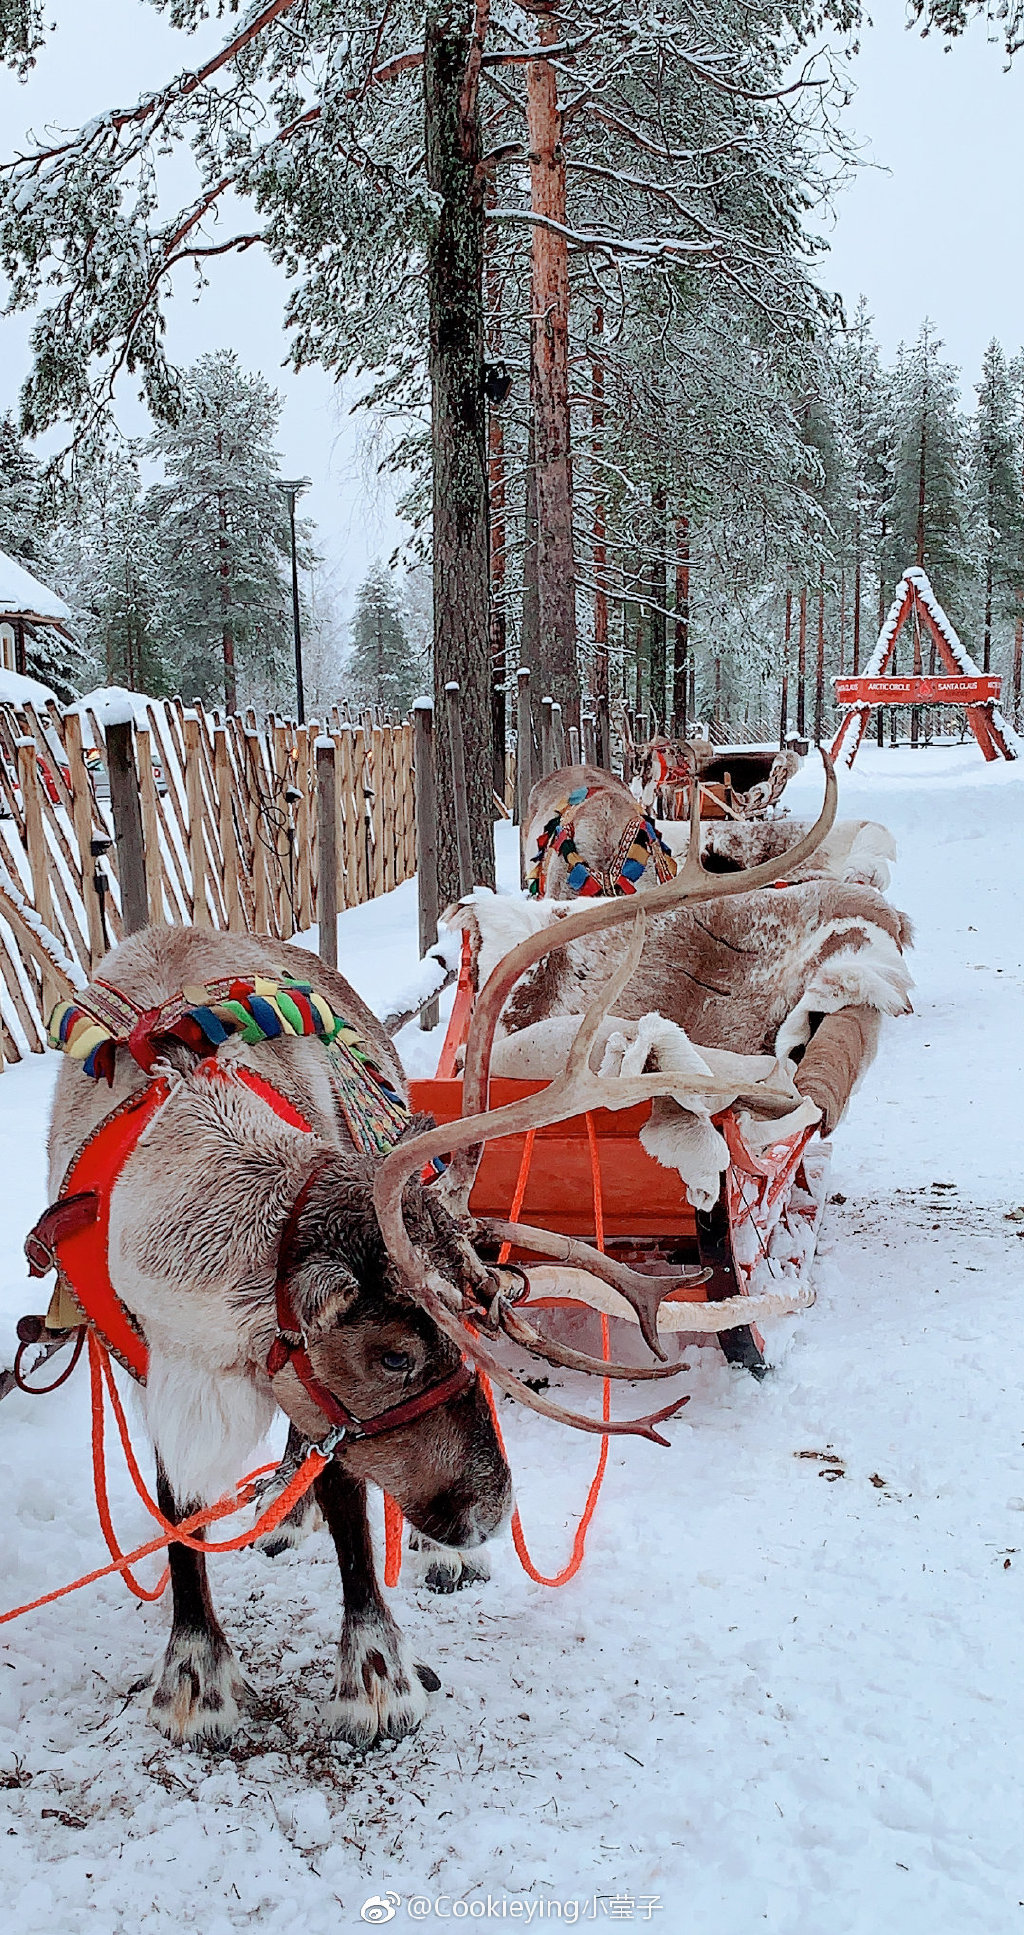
[576, 1557]
[184, 1534]
[393, 1523]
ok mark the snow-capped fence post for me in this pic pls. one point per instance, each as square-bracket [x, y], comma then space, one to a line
[150, 825]
[224, 783]
[81, 819]
[524, 744]
[327, 850]
[127, 810]
[557, 736]
[38, 852]
[426, 837]
[460, 801]
[589, 739]
[604, 732]
[196, 842]
[547, 759]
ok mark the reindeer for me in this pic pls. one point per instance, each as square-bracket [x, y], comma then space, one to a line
[270, 1263]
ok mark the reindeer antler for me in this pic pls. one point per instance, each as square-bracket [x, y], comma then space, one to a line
[578, 1089]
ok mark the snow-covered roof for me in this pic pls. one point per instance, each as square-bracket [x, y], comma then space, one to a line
[20, 592]
[916, 579]
[16, 689]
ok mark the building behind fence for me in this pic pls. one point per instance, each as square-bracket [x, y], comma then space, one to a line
[231, 826]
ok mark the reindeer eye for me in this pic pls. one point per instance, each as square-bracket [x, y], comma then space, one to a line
[396, 1360]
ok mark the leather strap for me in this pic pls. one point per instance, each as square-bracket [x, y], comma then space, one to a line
[289, 1347]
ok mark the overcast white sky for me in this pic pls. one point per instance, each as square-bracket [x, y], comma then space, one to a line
[938, 234]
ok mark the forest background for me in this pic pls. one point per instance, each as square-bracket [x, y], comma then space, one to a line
[572, 258]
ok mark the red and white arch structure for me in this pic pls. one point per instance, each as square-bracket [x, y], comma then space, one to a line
[916, 609]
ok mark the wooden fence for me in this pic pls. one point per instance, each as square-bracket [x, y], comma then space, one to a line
[231, 817]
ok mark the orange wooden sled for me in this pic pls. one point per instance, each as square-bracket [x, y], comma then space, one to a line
[758, 1237]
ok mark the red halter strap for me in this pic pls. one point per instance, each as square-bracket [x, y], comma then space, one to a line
[289, 1347]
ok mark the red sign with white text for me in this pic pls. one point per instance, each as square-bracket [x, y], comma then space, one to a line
[940, 690]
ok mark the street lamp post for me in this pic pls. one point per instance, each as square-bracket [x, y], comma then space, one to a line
[293, 488]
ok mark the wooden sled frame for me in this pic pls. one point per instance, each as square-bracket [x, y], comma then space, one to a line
[758, 1237]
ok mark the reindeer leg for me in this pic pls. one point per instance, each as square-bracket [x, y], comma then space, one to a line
[304, 1516]
[199, 1695]
[379, 1692]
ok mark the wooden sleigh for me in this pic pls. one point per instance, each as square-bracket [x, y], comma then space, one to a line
[590, 1177]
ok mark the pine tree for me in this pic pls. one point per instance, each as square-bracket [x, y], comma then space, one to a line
[220, 522]
[995, 469]
[382, 669]
[107, 567]
[928, 510]
[21, 516]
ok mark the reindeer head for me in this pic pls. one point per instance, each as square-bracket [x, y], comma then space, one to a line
[420, 1424]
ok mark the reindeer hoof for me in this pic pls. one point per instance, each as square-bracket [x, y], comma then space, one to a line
[441, 1568]
[199, 1696]
[379, 1693]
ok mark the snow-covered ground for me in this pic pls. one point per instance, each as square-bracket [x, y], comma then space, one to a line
[784, 1692]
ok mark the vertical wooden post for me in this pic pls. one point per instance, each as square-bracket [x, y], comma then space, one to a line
[194, 798]
[589, 739]
[460, 803]
[233, 913]
[787, 640]
[524, 743]
[426, 838]
[604, 732]
[819, 670]
[127, 810]
[574, 746]
[801, 667]
[547, 760]
[150, 826]
[81, 813]
[38, 852]
[327, 854]
[557, 736]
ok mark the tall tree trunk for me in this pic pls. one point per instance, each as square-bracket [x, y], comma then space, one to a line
[451, 74]
[922, 477]
[549, 377]
[819, 672]
[787, 644]
[227, 634]
[987, 659]
[599, 548]
[682, 626]
[801, 668]
[1018, 643]
[530, 633]
[496, 481]
[856, 615]
[658, 624]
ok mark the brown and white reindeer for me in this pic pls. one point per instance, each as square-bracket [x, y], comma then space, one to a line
[269, 1262]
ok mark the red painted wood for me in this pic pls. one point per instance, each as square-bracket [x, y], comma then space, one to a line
[640, 1197]
[919, 691]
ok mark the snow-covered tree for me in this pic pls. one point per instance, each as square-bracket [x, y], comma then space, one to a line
[21, 511]
[998, 501]
[928, 508]
[381, 669]
[220, 521]
[108, 568]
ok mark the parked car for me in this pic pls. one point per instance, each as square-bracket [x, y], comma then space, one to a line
[97, 768]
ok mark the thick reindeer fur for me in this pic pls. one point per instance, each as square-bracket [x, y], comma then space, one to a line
[753, 973]
[196, 1221]
[857, 852]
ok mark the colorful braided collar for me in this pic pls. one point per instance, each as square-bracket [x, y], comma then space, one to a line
[640, 845]
[91, 1027]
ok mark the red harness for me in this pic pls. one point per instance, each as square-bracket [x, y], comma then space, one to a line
[73, 1237]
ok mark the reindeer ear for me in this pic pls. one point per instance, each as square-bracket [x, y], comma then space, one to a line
[322, 1290]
